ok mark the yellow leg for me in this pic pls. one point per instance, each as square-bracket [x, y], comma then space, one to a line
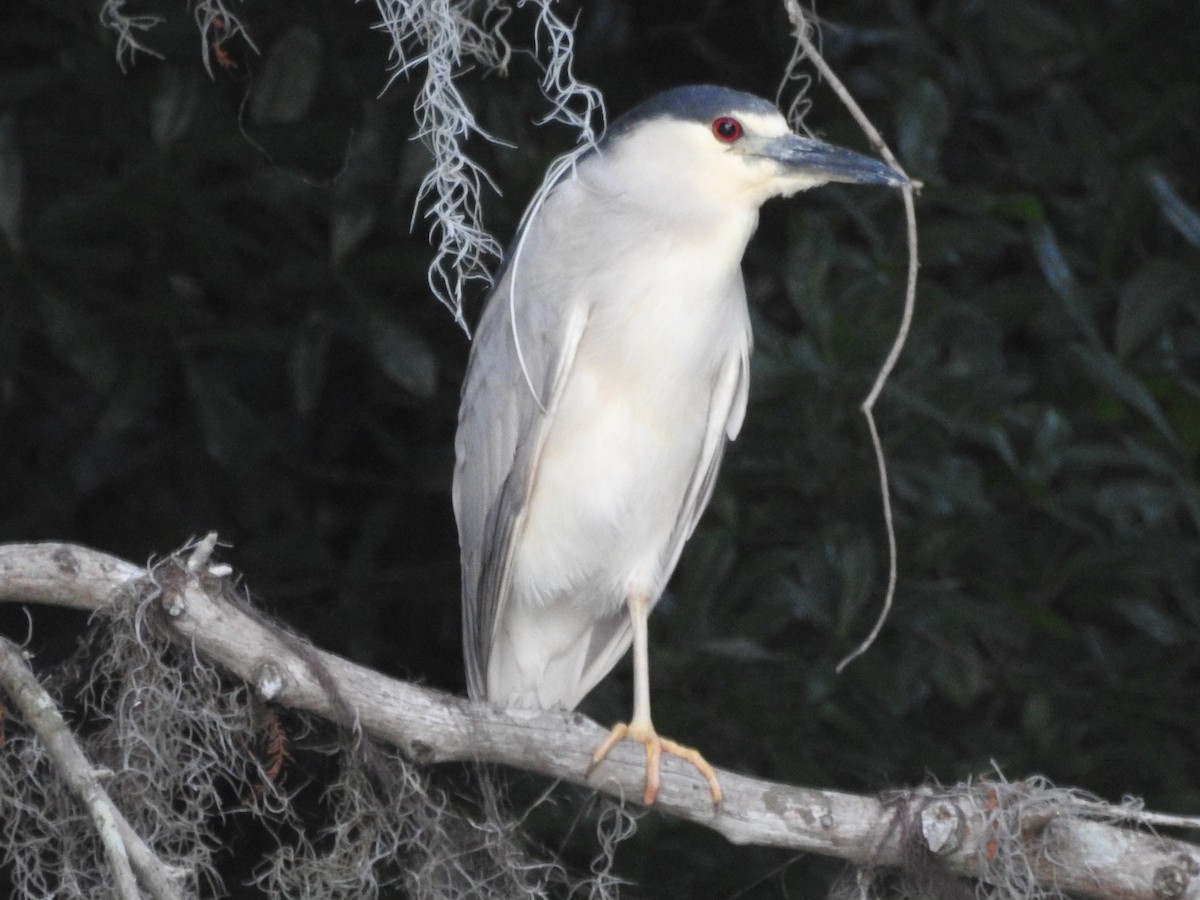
[641, 728]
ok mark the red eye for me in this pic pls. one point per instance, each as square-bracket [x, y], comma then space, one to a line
[727, 129]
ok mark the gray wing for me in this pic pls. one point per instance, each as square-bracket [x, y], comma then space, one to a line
[501, 429]
[725, 416]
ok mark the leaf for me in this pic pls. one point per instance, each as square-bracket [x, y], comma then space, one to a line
[1133, 504]
[1148, 299]
[78, 340]
[1062, 279]
[350, 222]
[923, 122]
[404, 355]
[959, 677]
[1185, 219]
[359, 189]
[12, 179]
[1020, 206]
[859, 573]
[306, 363]
[173, 106]
[1051, 442]
[285, 89]
[741, 650]
[1153, 622]
[810, 255]
[1053, 263]
[708, 559]
[233, 435]
[1107, 370]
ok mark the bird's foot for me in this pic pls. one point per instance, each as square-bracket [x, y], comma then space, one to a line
[644, 734]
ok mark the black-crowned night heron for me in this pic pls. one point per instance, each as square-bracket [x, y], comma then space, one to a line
[608, 369]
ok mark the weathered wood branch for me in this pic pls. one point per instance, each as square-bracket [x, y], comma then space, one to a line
[1004, 833]
[130, 859]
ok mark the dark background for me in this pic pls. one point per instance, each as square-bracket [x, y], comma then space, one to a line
[213, 316]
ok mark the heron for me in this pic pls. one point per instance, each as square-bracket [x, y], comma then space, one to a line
[608, 370]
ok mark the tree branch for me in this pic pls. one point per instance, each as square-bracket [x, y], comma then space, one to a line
[124, 848]
[1009, 834]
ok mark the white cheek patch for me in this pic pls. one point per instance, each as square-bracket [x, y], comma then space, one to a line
[789, 185]
[763, 125]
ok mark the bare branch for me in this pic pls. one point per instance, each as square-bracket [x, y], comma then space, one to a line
[1012, 835]
[124, 849]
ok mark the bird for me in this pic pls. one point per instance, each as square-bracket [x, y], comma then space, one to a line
[608, 370]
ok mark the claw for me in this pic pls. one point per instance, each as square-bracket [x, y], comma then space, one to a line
[656, 746]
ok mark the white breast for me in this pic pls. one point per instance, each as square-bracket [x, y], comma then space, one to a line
[665, 318]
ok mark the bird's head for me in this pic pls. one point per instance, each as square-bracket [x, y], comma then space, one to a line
[703, 143]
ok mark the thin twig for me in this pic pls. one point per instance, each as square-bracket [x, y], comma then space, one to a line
[868, 411]
[802, 30]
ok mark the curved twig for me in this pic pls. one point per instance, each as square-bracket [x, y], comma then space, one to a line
[802, 31]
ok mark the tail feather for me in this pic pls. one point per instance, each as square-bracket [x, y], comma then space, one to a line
[551, 656]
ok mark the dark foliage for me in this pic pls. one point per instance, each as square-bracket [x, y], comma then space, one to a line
[213, 315]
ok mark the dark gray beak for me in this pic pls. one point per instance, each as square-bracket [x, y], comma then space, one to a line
[805, 156]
